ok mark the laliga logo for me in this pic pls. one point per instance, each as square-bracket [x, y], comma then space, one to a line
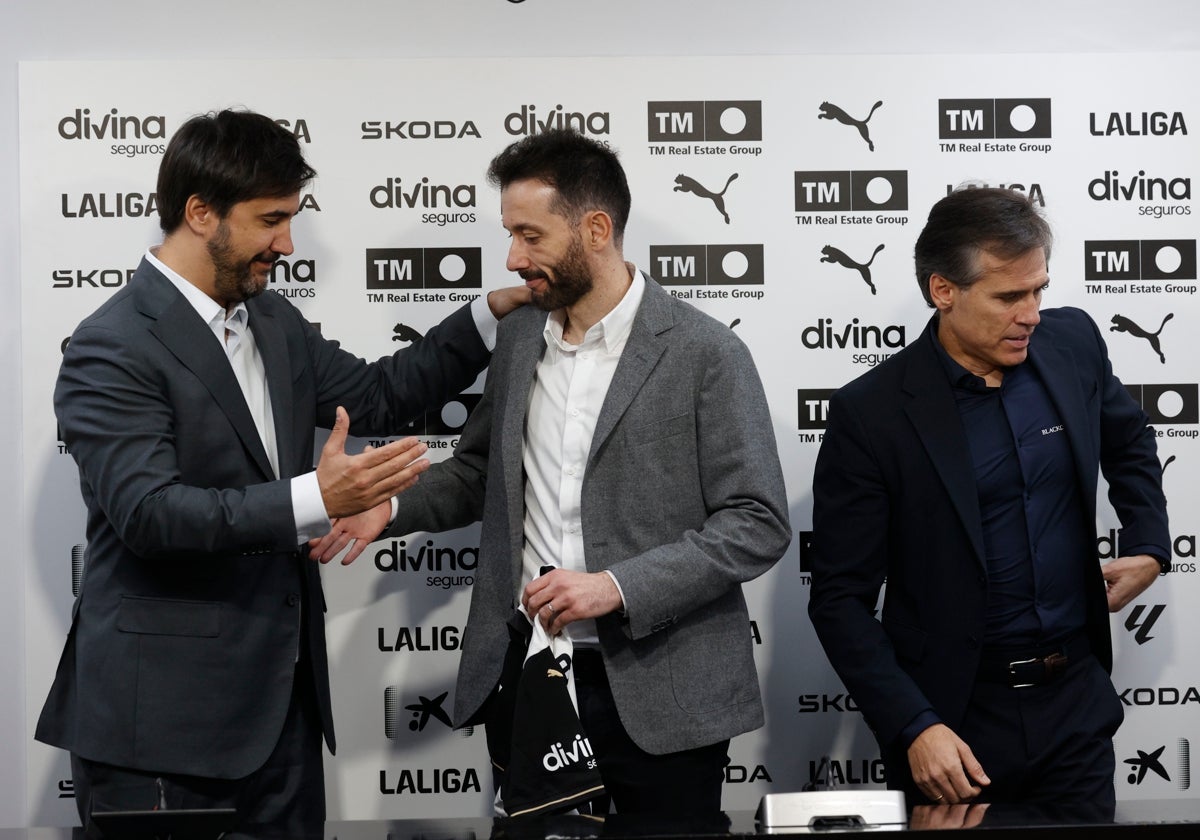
[558, 757]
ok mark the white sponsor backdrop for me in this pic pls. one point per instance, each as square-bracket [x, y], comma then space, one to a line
[402, 147]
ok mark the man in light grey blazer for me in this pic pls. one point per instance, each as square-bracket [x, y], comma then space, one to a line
[634, 458]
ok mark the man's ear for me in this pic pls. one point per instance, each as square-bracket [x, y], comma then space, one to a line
[597, 229]
[942, 292]
[199, 215]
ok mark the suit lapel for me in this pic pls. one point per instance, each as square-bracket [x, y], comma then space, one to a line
[528, 348]
[642, 351]
[930, 406]
[188, 338]
[272, 346]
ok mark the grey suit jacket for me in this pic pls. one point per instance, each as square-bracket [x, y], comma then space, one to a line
[683, 500]
[187, 627]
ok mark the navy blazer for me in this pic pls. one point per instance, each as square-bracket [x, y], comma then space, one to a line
[186, 630]
[894, 498]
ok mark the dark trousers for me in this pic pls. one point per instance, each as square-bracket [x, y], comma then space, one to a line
[283, 798]
[1045, 744]
[680, 783]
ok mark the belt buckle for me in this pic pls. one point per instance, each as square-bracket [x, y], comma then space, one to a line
[1013, 673]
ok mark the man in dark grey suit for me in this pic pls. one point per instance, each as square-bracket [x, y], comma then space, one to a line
[194, 674]
[634, 456]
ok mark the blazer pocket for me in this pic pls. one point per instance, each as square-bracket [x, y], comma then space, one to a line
[168, 617]
[659, 429]
[908, 641]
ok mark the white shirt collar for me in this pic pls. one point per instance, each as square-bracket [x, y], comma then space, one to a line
[612, 330]
[208, 309]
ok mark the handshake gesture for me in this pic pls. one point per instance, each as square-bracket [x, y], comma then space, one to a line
[357, 489]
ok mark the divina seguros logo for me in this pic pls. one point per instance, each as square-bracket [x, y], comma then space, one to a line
[434, 200]
[136, 133]
[532, 119]
[444, 565]
[1165, 195]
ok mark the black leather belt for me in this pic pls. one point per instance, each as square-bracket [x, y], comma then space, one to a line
[1029, 667]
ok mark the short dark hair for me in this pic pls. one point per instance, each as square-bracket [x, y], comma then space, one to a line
[970, 220]
[226, 158]
[585, 173]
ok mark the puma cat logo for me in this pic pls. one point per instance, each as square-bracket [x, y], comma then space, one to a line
[1123, 324]
[403, 332]
[833, 255]
[829, 111]
[685, 184]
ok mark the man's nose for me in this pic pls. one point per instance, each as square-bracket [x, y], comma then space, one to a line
[517, 259]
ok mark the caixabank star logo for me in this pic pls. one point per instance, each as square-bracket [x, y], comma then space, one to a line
[1152, 767]
[421, 713]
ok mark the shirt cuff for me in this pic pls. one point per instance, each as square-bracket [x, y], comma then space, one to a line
[617, 584]
[308, 508]
[485, 321]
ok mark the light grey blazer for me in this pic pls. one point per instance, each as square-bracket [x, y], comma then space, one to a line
[683, 500]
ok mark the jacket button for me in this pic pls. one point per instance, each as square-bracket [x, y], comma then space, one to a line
[293, 599]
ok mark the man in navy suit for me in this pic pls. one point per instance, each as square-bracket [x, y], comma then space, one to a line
[963, 470]
[194, 674]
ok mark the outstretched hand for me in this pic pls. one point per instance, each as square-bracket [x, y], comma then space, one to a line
[351, 484]
[353, 533]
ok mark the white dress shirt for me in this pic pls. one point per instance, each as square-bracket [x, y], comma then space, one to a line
[569, 387]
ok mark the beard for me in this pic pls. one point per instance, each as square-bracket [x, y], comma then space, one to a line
[233, 277]
[572, 280]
